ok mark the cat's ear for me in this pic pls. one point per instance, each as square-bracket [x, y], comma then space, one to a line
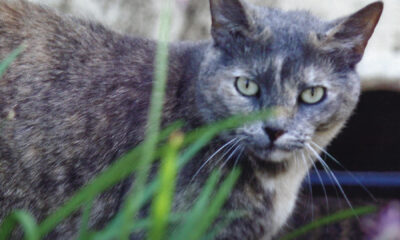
[352, 33]
[229, 17]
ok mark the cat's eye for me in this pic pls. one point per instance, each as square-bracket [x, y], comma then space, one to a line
[246, 86]
[313, 95]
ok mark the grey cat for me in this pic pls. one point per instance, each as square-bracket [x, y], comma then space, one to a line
[77, 97]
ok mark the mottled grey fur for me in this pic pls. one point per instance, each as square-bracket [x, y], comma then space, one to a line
[76, 99]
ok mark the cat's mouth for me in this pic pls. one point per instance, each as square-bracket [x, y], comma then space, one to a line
[269, 154]
[269, 160]
[273, 159]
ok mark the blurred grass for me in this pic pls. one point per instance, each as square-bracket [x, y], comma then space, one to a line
[10, 58]
[331, 219]
[162, 201]
[131, 205]
[27, 222]
[204, 212]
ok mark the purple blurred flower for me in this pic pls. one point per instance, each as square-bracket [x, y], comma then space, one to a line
[385, 225]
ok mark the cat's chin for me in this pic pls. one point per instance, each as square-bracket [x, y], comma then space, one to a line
[271, 162]
[275, 155]
[279, 156]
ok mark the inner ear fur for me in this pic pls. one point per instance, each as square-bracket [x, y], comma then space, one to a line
[229, 17]
[351, 33]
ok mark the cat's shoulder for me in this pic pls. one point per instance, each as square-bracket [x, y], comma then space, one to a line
[24, 19]
[18, 14]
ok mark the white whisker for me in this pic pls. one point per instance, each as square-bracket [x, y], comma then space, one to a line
[211, 157]
[238, 156]
[347, 171]
[329, 171]
[320, 180]
[227, 151]
[231, 155]
[296, 161]
[309, 186]
[326, 170]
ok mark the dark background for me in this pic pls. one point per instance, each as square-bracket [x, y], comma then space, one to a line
[370, 142]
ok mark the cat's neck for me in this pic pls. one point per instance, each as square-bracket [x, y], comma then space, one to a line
[184, 63]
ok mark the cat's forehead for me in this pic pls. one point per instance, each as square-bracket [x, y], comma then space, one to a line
[279, 37]
[285, 71]
[284, 31]
[287, 67]
[286, 25]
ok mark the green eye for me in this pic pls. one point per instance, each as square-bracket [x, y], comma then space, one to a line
[246, 86]
[313, 95]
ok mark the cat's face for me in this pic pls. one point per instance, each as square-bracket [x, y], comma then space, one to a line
[299, 67]
[307, 101]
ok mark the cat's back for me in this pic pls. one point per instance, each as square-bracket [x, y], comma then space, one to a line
[47, 34]
[69, 70]
[68, 65]
[72, 101]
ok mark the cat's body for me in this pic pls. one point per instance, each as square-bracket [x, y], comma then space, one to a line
[76, 99]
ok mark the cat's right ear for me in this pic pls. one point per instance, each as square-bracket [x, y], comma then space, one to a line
[351, 34]
[229, 18]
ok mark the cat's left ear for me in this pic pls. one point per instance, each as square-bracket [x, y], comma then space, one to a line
[229, 18]
[352, 33]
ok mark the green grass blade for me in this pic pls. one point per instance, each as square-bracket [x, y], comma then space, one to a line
[228, 123]
[193, 217]
[200, 137]
[116, 172]
[6, 63]
[84, 229]
[113, 229]
[194, 148]
[140, 225]
[10, 58]
[26, 221]
[154, 121]
[162, 202]
[337, 217]
[226, 219]
[124, 166]
[146, 223]
[213, 210]
[197, 140]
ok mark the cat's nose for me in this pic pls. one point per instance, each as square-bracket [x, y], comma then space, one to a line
[273, 133]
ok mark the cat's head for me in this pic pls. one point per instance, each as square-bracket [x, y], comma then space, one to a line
[300, 67]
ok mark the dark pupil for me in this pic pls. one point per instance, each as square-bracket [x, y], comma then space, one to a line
[312, 92]
[247, 83]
